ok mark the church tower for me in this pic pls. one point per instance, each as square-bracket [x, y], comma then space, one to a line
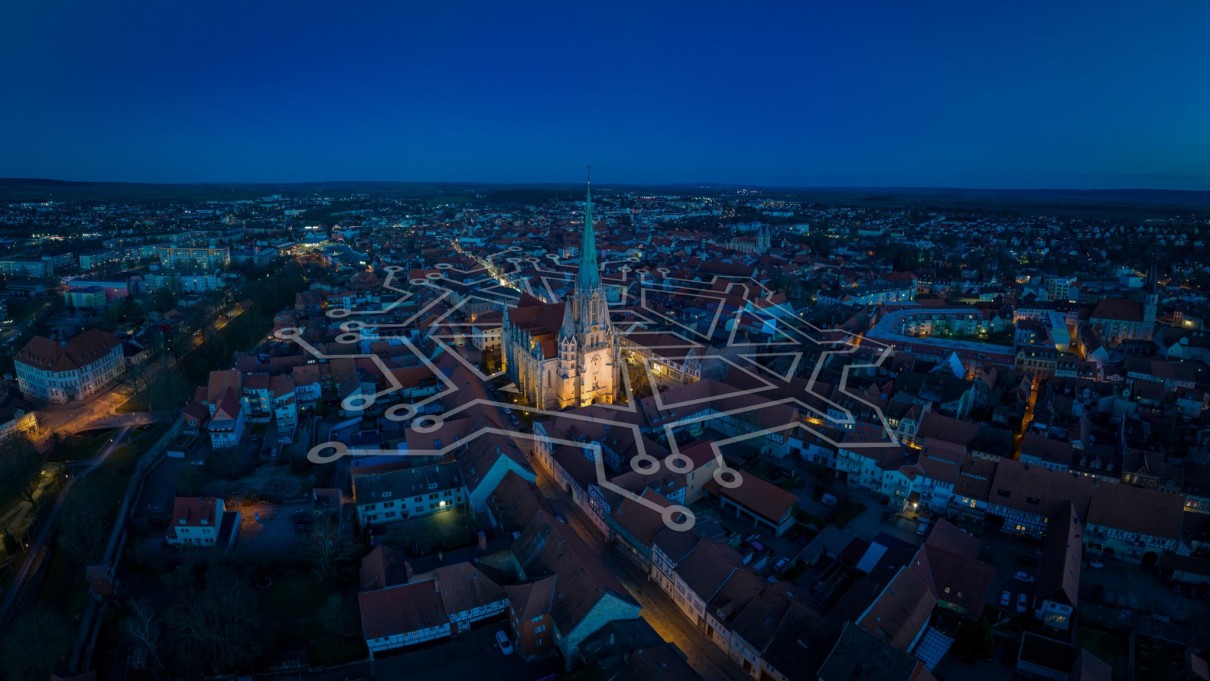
[596, 344]
[1151, 296]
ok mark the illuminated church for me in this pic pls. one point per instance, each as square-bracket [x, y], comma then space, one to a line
[565, 354]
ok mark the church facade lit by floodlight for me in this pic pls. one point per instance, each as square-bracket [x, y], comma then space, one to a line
[565, 354]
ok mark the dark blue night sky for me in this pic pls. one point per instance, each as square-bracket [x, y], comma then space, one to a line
[1096, 94]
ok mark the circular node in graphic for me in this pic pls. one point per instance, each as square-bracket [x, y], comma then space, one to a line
[418, 281]
[443, 265]
[728, 477]
[352, 326]
[317, 455]
[289, 333]
[357, 402]
[434, 276]
[347, 338]
[400, 412]
[678, 518]
[514, 261]
[515, 249]
[645, 464]
[339, 312]
[678, 463]
[392, 269]
[427, 424]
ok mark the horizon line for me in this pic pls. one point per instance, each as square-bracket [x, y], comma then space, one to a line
[541, 183]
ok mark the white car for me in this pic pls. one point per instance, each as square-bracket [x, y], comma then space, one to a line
[506, 646]
[1021, 603]
[1006, 598]
[1024, 577]
[1096, 563]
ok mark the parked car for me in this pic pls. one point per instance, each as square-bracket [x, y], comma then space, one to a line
[922, 528]
[1006, 598]
[506, 646]
[781, 564]
[1024, 577]
[1096, 563]
[1021, 603]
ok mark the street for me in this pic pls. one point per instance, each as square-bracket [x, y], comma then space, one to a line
[657, 609]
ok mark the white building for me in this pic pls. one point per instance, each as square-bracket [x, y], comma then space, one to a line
[76, 370]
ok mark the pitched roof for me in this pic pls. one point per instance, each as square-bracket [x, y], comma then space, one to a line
[859, 656]
[1115, 308]
[532, 599]
[548, 547]
[383, 567]
[949, 564]
[463, 587]
[900, 611]
[219, 382]
[86, 348]
[1137, 510]
[759, 496]
[1062, 549]
[401, 609]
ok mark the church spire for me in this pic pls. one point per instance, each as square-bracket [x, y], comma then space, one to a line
[588, 278]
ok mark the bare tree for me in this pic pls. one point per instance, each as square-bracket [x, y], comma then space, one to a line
[329, 543]
[144, 627]
[216, 625]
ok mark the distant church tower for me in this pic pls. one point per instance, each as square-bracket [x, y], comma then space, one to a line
[1151, 296]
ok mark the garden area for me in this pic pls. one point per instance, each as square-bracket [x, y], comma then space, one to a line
[442, 531]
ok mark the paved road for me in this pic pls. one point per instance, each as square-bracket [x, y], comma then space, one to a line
[657, 608]
[39, 543]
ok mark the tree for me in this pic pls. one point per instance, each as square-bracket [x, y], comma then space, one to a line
[145, 628]
[38, 641]
[20, 469]
[166, 391]
[329, 543]
[216, 624]
[83, 525]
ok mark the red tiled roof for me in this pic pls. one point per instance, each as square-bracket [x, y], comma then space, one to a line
[86, 348]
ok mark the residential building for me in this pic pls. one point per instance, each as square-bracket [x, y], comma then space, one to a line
[75, 370]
